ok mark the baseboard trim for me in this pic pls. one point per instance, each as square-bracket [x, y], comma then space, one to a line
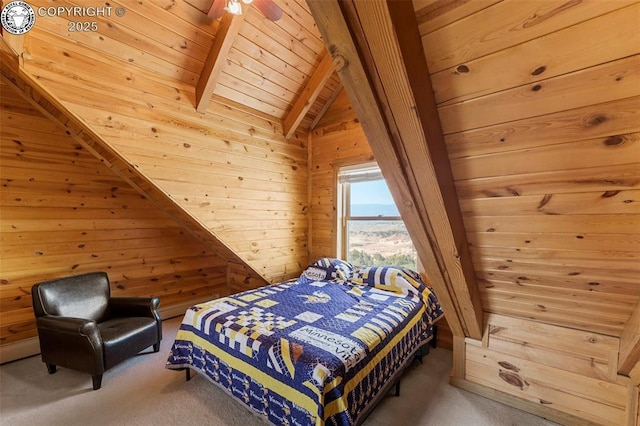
[179, 309]
[30, 347]
[18, 350]
[521, 404]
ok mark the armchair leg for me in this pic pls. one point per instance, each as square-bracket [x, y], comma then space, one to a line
[156, 347]
[97, 381]
[51, 368]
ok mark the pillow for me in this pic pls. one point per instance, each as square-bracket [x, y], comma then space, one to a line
[327, 269]
[389, 278]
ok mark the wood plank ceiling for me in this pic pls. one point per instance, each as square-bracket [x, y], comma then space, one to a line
[279, 68]
[275, 68]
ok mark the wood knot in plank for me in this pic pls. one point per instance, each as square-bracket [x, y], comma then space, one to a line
[495, 329]
[610, 194]
[595, 120]
[513, 379]
[513, 191]
[614, 140]
[539, 70]
[462, 69]
[545, 200]
[508, 366]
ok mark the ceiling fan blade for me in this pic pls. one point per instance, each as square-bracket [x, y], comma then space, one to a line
[216, 10]
[269, 9]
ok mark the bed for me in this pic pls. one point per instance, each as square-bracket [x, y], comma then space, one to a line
[319, 349]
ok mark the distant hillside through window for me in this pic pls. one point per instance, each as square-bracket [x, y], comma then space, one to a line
[374, 210]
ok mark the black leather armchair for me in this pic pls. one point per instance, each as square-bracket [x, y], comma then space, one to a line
[82, 327]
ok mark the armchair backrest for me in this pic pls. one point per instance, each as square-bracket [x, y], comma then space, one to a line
[80, 296]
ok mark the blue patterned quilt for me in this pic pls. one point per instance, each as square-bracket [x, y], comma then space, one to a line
[307, 351]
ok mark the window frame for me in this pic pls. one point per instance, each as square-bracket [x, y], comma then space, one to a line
[343, 204]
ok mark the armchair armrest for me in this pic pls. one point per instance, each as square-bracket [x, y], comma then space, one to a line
[134, 307]
[71, 342]
[69, 325]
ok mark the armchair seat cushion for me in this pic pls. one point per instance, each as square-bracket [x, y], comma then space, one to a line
[122, 337]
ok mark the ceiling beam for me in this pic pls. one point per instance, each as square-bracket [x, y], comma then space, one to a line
[308, 96]
[216, 60]
[378, 54]
[630, 343]
[326, 106]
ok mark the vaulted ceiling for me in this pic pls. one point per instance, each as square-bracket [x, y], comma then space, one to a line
[280, 69]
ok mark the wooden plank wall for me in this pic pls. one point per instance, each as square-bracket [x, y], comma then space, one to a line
[337, 140]
[569, 371]
[539, 102]
[63, 212]
[231, 168]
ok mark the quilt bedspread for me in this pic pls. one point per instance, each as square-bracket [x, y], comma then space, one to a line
[303, 352]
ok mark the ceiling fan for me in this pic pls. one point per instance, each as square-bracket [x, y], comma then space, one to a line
[268, 8]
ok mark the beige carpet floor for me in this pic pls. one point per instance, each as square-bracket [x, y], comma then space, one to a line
[141, 391]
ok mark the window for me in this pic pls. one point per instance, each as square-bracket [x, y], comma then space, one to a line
[370, 229]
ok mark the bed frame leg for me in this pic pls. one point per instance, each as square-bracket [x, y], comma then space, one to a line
[421, 352]
[188, 370]
[398, 388]
[435, 336]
